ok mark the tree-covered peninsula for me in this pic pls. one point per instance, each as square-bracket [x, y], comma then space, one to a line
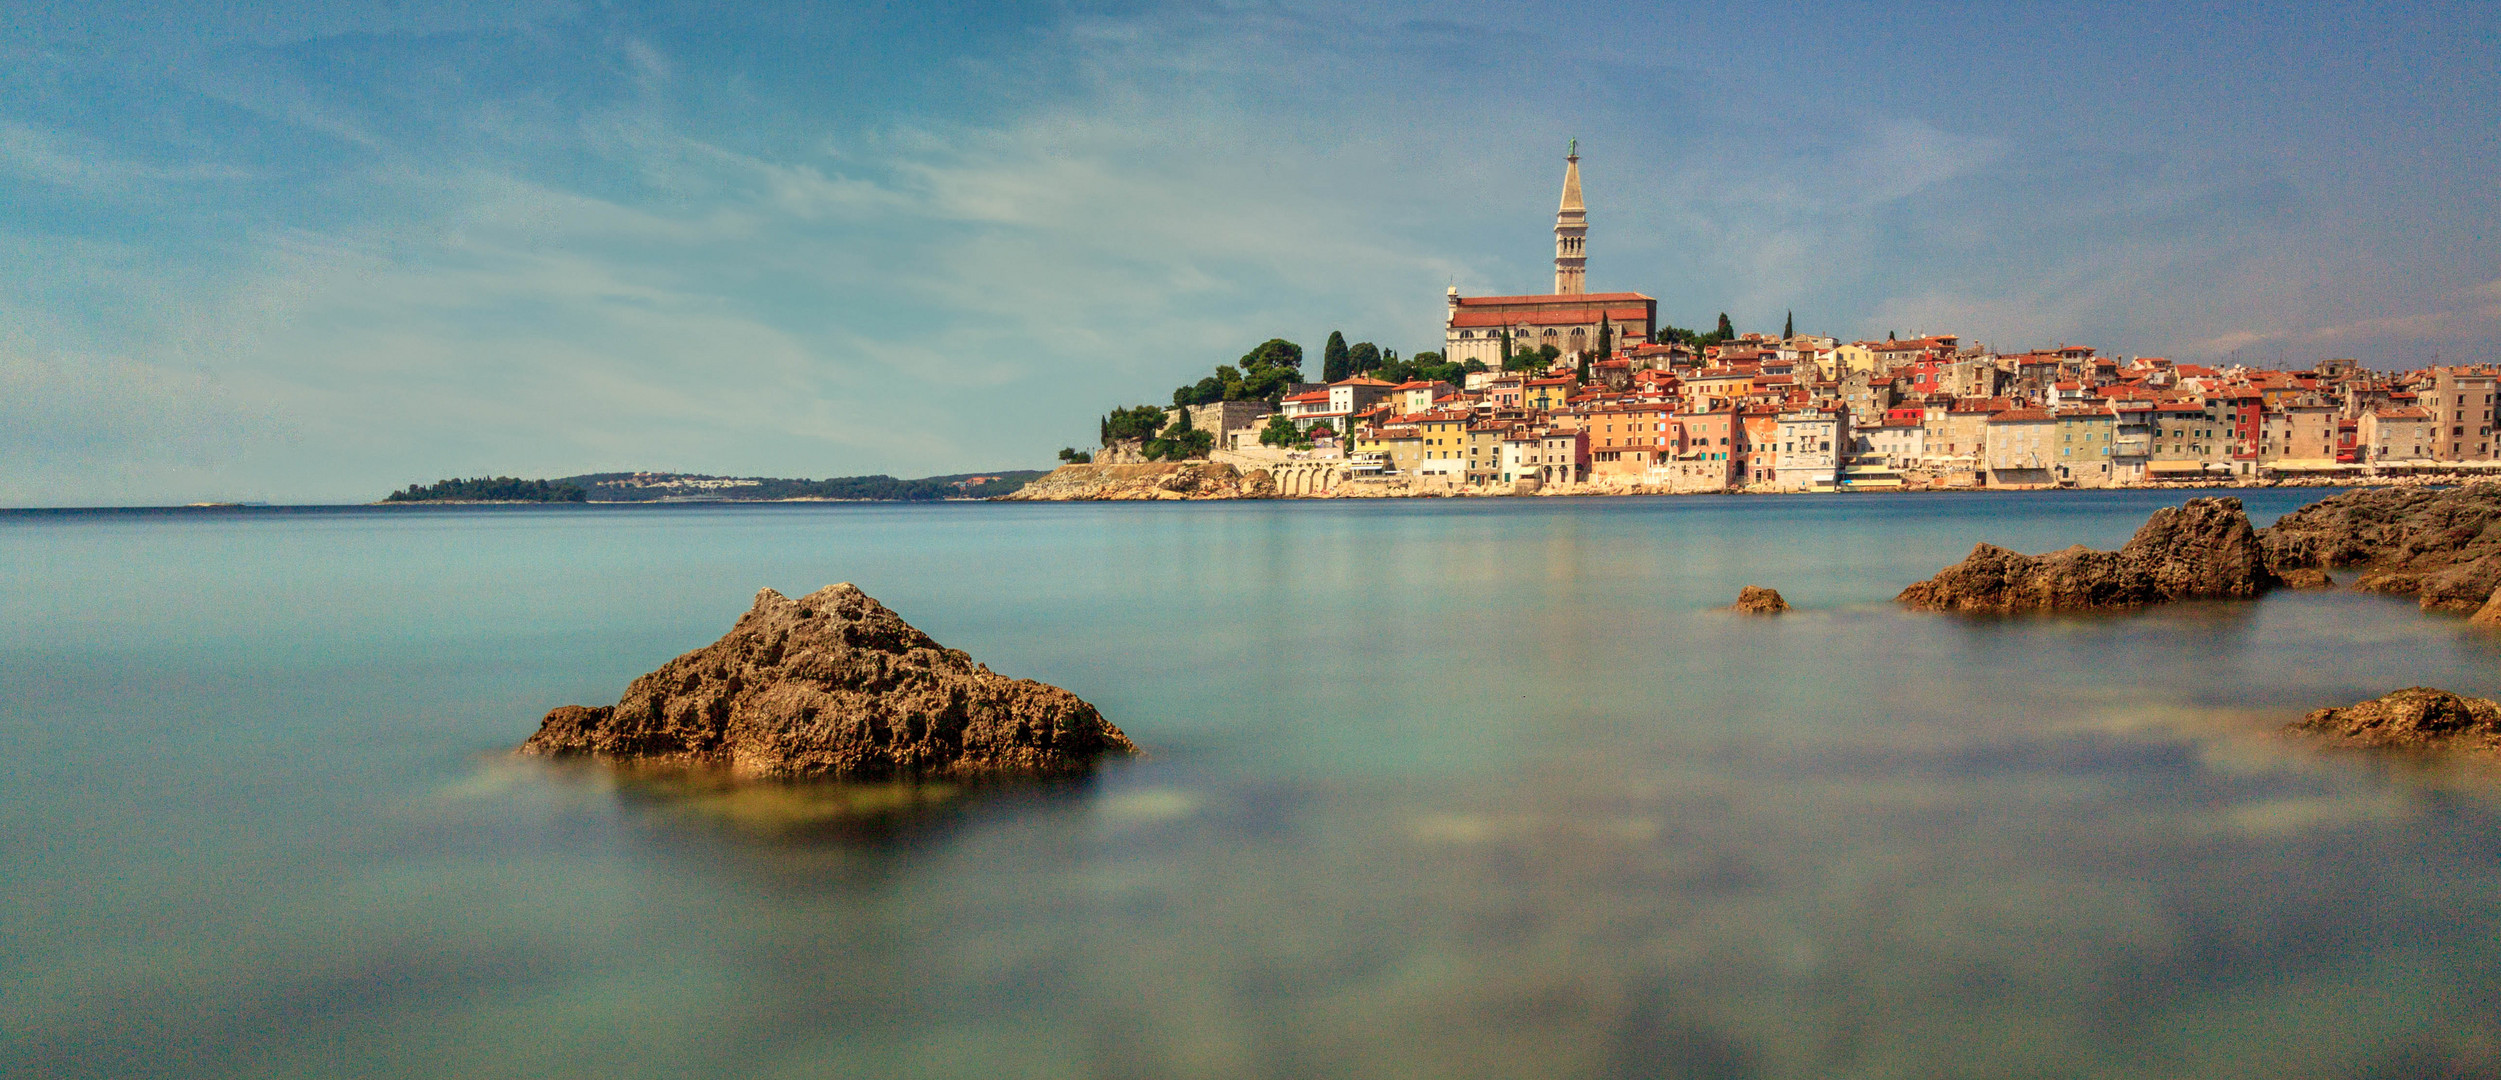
[491, 489]
[652, 487]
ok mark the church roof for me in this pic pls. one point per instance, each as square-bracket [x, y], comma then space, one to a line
[1574, 299]
[1553, 317]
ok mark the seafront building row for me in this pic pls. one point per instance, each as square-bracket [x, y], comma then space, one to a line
[1812, 414]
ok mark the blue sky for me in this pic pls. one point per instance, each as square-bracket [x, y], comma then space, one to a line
[316, 251]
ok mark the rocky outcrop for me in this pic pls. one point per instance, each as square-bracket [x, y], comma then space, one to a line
[835, 686]
[2489, 615]
[1154, 480]
[1756, 600]
[2205, 550]
[2442, 547]
[2415, 718]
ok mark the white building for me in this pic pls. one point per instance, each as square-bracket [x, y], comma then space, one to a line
[1811, 444]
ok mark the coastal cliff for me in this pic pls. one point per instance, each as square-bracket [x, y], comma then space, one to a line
[834, 685]
[2205, 550]
[1151, 480]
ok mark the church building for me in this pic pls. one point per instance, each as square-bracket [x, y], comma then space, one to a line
[1572, 319]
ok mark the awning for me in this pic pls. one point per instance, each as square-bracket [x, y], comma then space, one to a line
[2176, 468]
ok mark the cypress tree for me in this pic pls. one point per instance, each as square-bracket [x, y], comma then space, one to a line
[1727, 330]
[1333, 358]
[1789, 326]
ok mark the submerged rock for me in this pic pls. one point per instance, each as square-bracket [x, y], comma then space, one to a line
[2417, 717]
[835, 686]
[2303, 577]
[2205, 550]
[1756, 600]
[2441, 547]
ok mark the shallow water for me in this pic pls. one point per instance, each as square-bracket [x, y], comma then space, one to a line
[1439, 788]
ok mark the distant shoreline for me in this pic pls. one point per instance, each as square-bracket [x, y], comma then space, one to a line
[245, 508]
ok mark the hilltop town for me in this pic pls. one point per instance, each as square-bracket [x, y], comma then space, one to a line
[1581, 392]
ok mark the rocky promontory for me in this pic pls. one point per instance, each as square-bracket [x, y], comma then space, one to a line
[2415, 718]
[2205, 550]
[2442, 547]
[834, 685]
[1152, 480]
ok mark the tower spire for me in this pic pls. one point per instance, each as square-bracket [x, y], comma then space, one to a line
[1571, 231]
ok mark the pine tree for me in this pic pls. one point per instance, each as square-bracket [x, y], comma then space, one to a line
[1333, 365]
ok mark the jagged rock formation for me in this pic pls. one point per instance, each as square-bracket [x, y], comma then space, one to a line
[2442, 547]
[2205, 550]
[2416, 718]
[835, 686]
[1155, 480]
[1756, 600]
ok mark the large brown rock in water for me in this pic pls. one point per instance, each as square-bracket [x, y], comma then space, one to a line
[2417, 717]
[2442, 546]
[2205, 550]
[833, 685]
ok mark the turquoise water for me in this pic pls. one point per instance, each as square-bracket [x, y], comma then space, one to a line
[1439, 789]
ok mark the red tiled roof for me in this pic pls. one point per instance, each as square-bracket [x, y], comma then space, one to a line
[1555, 317]
[1578, 298]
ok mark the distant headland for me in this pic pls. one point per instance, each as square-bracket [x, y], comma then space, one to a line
[671, 487]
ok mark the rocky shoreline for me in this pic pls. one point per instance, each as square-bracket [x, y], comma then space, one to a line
[1149, 481]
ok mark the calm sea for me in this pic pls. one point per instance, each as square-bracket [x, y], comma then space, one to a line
[1439, 789]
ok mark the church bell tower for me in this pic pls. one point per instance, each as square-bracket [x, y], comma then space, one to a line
[1571, 231]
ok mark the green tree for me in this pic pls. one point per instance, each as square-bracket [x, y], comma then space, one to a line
[1726, 331]
[1205, 391]
[1789, 326]
[1133, 424]
[1363, 359]
[1179, 440]
[1274, 352]
[1074, 456]
[1333, 359]
[1280, 432]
